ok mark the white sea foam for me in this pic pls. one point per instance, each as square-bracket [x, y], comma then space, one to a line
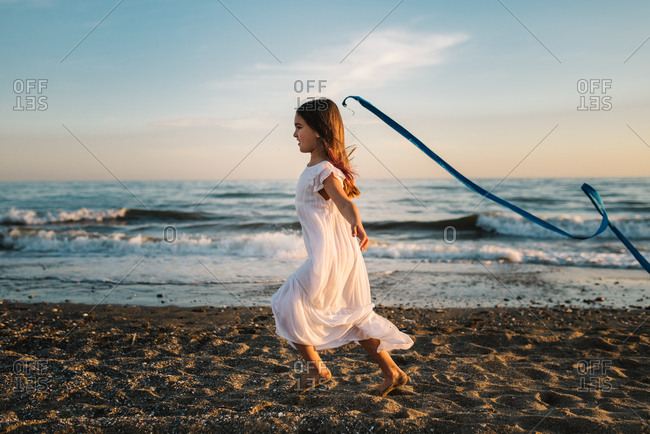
[635, 227]
[268, 244]
[471, 252]
[31, 217]
[289, 245]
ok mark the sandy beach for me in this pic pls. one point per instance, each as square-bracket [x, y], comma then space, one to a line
[125, 368]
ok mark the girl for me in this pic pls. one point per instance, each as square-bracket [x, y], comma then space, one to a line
[326, 302]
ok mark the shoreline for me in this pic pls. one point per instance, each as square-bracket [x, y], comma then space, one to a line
[131, 368]
[421, 285]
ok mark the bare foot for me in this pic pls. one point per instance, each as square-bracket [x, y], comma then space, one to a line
[311, 379]
[393, 381]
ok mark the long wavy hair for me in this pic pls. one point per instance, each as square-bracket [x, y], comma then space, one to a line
[323, 116]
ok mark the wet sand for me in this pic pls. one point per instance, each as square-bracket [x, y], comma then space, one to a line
[185, 369]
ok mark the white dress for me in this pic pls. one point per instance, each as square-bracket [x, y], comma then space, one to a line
[326, 302]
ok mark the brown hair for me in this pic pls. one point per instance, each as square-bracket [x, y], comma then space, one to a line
[323, 116]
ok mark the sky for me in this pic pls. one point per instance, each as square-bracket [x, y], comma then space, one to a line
[171, 90]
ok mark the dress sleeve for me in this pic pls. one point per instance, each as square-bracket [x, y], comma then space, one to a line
[324, 173]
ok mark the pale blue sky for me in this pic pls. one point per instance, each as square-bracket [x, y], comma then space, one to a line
[182, 90]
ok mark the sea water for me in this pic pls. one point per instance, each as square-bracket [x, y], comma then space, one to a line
[433, 242]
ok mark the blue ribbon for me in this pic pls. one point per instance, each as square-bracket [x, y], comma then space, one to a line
[591, 192]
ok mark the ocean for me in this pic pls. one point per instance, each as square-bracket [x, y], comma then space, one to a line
[434, 243]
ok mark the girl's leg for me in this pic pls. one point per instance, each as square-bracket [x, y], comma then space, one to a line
[316, 374]
[394, 377]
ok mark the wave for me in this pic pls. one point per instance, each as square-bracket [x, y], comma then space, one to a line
[501, 253]
[512, 225]
[472, 226]
[79, 242]
[467, 223]
[251, 195]
[289, 245]
[635, 228]
[24, 217]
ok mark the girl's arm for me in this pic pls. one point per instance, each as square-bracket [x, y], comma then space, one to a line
[348, 209]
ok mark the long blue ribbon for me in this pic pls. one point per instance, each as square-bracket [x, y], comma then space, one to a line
[591, 192]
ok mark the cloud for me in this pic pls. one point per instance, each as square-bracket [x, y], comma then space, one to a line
[385, 56]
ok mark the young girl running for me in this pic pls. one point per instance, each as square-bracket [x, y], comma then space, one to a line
[326, 302]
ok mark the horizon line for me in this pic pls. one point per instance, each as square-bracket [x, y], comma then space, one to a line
[295, 179]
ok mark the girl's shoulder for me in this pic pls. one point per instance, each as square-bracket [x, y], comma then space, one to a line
[323, 167]
[322, 170]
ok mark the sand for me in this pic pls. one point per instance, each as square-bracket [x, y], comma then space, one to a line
[172, 369]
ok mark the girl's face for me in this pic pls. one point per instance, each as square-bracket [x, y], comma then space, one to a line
[307, 137]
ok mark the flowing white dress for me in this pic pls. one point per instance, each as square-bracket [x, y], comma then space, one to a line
[326, 302]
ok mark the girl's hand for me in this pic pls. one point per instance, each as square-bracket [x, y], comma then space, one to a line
[359, 232]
